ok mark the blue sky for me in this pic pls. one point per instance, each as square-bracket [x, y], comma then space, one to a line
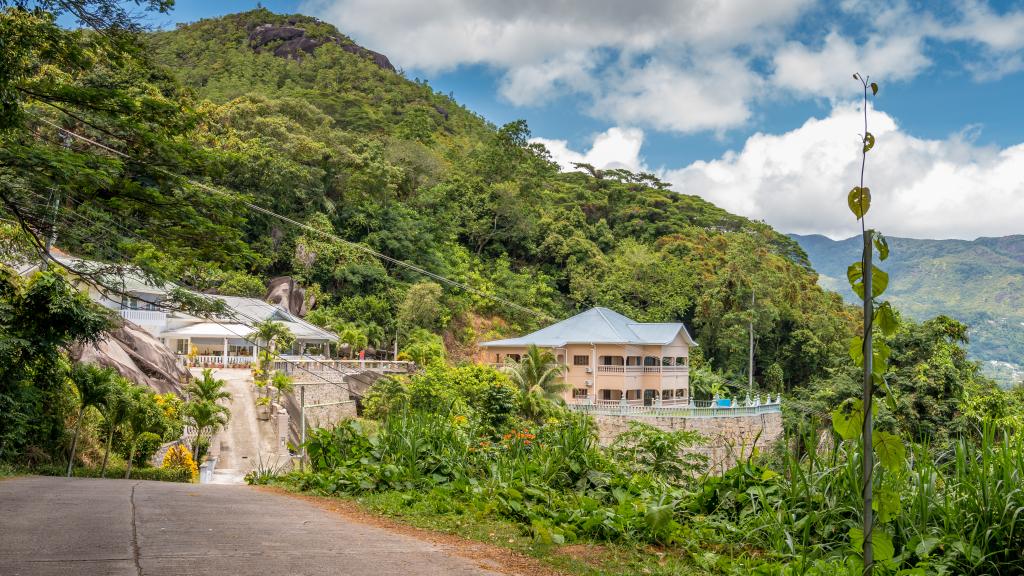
[748, 103]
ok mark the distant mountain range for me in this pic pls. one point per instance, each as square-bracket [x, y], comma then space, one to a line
[980, 282]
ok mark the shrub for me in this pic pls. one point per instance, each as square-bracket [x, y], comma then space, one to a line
[145, 448]
[117, 472]
[178, 456]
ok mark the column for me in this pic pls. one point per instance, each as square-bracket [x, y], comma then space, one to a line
[225, 353]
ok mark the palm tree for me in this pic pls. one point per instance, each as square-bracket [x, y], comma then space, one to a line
[207, 388]
[94, 385]
[144, 416]
[273, 334]
[115, 412]
[537, 373]
[206, 418]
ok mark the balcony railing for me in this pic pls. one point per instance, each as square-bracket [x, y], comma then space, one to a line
[206, 360]
[684, 409]
[604, 369]
[144, 316]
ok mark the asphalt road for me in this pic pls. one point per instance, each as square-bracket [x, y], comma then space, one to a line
[60, 526]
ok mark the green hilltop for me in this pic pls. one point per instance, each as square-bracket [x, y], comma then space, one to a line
[331, 133]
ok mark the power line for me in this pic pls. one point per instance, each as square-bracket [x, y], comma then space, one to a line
[329, 235]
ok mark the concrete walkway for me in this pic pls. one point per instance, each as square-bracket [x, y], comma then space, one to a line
[245, 440]
[79, 526]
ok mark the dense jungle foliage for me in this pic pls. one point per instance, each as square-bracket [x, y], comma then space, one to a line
[462, 447]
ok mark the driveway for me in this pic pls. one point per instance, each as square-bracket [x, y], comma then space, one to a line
[245, 440]
[71, 526]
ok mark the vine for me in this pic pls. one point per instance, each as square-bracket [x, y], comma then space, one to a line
[853, 420]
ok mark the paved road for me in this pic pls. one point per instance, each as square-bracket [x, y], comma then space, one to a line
[78, 526]
[245, 439]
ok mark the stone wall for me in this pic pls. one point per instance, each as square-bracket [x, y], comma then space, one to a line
[341, 406]
[727, 438]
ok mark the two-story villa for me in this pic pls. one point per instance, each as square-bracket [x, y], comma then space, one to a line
[611, 358]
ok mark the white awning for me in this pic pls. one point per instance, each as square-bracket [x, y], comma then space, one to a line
[210, 330]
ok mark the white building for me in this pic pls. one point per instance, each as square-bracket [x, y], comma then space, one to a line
[224, 340]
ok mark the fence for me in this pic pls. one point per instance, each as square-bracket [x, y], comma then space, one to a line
[694, 409]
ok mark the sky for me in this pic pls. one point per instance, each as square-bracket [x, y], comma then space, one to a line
[749, 104]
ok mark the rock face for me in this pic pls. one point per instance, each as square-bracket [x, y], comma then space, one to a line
[295, 43]
[285, 293]
[138, 356]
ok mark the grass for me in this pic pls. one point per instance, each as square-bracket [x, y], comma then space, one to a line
[458, 519]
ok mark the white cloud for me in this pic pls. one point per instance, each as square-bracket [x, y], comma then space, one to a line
[827, 70]
[798, 181]
[657, 63]
[712, 95]
[675, 66]
[614, 148]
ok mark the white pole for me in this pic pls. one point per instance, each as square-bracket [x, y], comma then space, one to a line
[225, 352]
[302, 428]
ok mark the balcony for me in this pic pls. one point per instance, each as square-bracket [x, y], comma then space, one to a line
[150, 317]
[643, 369]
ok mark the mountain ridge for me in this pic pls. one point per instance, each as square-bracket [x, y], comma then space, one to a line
[980, 282]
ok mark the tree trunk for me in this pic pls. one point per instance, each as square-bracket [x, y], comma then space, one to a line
[106, 453]
[74, 440]
[131, 456]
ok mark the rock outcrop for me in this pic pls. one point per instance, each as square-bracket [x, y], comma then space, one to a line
[285, 293]
[137, 355]
[294, 43]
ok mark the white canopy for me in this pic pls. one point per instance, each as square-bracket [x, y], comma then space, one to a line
[210, 330]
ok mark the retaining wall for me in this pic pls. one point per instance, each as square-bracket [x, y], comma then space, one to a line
[728, 439]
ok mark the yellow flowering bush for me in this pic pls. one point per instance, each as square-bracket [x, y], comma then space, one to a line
[180, 457]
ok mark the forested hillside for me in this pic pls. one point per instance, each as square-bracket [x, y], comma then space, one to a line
[295, 116]
[980, 282]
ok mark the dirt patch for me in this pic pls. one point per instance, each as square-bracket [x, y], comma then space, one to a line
[486, 556]
[589, 554]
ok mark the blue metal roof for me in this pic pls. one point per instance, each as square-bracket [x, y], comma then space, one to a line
[599, 326]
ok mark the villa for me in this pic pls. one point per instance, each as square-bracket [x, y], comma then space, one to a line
[609, 358]
[225, 340]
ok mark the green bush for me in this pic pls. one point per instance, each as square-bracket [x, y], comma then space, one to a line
[145, 448]
[138, 473]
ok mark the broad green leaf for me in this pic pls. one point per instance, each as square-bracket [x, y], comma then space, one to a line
[869, 142]
[848, 419]
[890, 449]
[881, 244]
[885, 319]
[881, 543]
[924, 547]
[658, 517]
[874, 88]
[886, 504]
[859, 201]
[857, 350]
[880, 353]
[879, 280]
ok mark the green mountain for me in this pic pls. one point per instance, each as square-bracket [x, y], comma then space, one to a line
[290, 114]
[980, 282]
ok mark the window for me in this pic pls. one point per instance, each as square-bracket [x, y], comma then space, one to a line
[515, 357]
[650, 361]
[581, 360]
[606, 394]
[611, 360]
[681, 361]
[579, 392]
[632, 360]
[561, 359]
